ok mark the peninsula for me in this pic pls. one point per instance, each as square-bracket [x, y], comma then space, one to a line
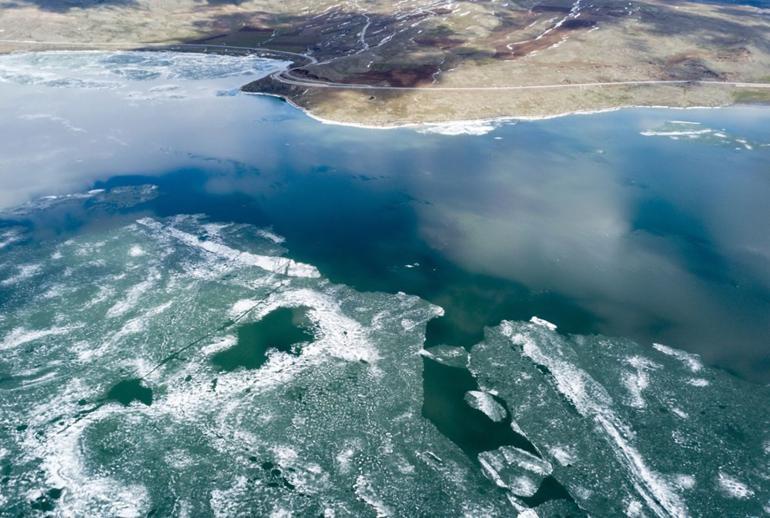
[384, 62]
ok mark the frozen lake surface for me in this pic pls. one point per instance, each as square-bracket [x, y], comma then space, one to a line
[211, 304]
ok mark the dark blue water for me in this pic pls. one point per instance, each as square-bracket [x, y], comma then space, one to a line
[581, 220]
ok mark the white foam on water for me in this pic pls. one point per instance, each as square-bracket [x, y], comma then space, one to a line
[732, 487]
[591, 400]
[275, 264]
[104, 293]
[691, 361]
[484, 402]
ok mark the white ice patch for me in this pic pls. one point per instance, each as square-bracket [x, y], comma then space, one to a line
[684, 481]
[133, 295]
[9, 237]
[275, 264]
[591, 400]
[732, 487]
[686, 130]
[345, 458]
[634, 509]
[691, 361]
[447, 355]
[366, 493]
[271, 236]
[21, 335]
[638, 380]
[562, 454]
[485, 403]
[220, 345]
[338, 335]
[23, 272]
[503, 467]
[53, 118]
[454, 128]
[543, 323]
[675, 133]
[136, 251]
[87, 495]
[679, 413]
[698, 382]
[223, 502]
[141, 75]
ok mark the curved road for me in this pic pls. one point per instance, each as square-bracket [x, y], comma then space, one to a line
[287, 76]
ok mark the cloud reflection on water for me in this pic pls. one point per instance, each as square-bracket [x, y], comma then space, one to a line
[655, 238]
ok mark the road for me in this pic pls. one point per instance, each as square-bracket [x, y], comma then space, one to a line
[287, 76]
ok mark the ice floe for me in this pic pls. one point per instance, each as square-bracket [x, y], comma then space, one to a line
[334, 428]
[273, 264]
[618, 424]
[688, 130]
[140, 75]
[454, 128]
[485, 403]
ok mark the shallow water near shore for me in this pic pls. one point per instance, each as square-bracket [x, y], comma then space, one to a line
[223, 306]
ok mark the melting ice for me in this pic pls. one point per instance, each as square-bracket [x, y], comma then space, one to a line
[113, 402]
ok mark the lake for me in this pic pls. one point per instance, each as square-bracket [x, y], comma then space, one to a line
[156, 222]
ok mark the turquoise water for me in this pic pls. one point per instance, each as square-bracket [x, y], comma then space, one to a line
[223, 306]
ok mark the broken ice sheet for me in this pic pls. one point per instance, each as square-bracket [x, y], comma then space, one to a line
[624, 427]
[113, 403]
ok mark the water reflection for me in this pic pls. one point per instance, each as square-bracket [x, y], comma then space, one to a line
[580, 220]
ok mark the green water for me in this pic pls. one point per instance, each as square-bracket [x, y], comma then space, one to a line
[127, 391]
[277, 317]
[280, 330]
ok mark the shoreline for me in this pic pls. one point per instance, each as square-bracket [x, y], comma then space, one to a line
[455, 127]
[488, 124]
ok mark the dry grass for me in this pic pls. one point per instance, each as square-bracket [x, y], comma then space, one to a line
[439, 44]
